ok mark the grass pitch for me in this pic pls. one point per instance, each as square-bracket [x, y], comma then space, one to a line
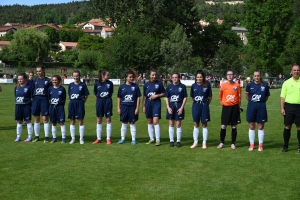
[63, 171]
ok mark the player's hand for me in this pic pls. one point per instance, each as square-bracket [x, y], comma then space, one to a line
[136, 112]
[119, 111]
[282, 111]
[179, 111]
[144, 109]
[170, 111]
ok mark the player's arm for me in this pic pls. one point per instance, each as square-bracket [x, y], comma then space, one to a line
[220, 95]
[282, 100]
[168, 107]
[119, 105]
[137, 106]
[144, 101]
[180, 110]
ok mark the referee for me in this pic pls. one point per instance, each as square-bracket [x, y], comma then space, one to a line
[290, 106]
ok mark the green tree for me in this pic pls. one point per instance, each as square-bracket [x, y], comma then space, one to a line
[90, 42]
[175, 49]
[89, 59]
[31, 43]
[268, 23]
[8, 36]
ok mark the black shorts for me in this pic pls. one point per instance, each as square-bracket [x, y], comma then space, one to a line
[230, 115]
[292, 114]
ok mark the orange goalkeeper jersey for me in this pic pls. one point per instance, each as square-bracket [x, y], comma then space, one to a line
[230, 94]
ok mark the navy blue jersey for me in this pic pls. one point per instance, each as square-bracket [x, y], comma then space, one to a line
[104, 90]
[41, 86]
[153, 89]
[200, 93]
[57, 95]
[129, 94]
[23, 94]
[176, 93]
[257, 92]
[78, 91]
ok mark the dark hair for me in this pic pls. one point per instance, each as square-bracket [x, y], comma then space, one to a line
[261, 80]
[58, 78]
[31, 72]
[100, 74]
[76, 71]
[178, 76]
[130, 71]
[43, 69]
[24, 75]
[203, 75]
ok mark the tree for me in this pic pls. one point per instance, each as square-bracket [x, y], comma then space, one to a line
[31, 43]
[268, 23]
[90, 42]
[175, 49]
[89, 59]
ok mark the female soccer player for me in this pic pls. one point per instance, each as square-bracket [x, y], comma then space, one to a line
[128, 105]
[78, 93]
[30, 79]
[23, 99]
[57, 97]
[176, 95]
[201, 96]
[257, 94]
[153, 91]
[40, 104]
[103, 90]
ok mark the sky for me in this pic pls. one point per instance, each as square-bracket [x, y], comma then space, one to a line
[32, 2]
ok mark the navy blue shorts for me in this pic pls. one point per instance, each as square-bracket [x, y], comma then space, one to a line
[104, 106]
[76, 109]
[40, 105]
[127, 114]
[57, 113]
[200, 111]
[257, 112]
[23, 112]
[153, 109]
[174, 116]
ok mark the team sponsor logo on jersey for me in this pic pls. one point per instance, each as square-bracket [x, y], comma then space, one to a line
[230, 98]
[151, 94]
[103, 94]
[54, 100]
[235, 88]
[255, 98]
[133, 88]
[74, 96]
[198, 98]
[19, 100]
[174, 98]
[39, 91]
[156, 86]
[128, 98]
[179, 89]
[262, 88]
[25, 89]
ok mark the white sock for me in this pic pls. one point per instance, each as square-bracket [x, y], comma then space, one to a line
[196, 134]
[29, 129]
[72, 131]
[178, 131]
[133, 131]
[205, 135]
[81, 131]
[63, 131]
[53, 131]
[46, 129]
[123, 131]
[37, 127]
[151, 131]
[108, 130]
[171, 133]
[261, 135]
[157, 131]
[251, 136]
[19, 130]
[99, 131]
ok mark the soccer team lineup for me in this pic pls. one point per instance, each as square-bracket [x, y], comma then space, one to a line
[44, 100]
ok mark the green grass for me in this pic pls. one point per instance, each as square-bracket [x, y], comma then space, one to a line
[63, 171]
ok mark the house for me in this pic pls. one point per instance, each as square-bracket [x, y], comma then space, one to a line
[3, 44]
[41, 27]
[17, 25]
[67, 45]
[241, 31]
[107, 32]
[6, 29]
[92, 32]
[97, 27]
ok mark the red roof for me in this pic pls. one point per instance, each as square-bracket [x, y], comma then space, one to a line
[4, 43]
